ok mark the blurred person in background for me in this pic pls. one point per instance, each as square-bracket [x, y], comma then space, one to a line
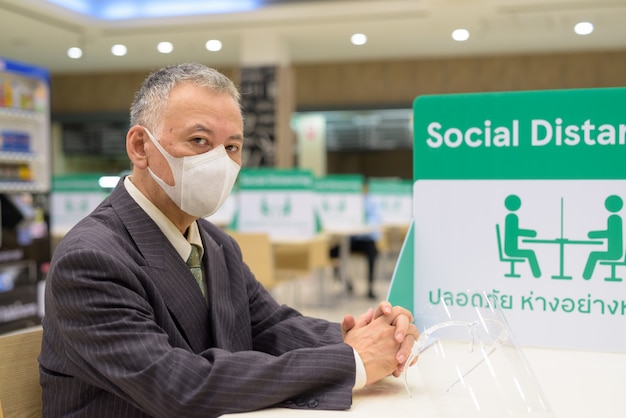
[365, 244]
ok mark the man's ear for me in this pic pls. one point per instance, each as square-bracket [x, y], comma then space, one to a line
[135, 146]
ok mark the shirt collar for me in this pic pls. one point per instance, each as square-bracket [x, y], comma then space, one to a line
[181, 244]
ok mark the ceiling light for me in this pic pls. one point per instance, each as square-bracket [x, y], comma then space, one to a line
[165, 47]
[460, 35]
[119, 50]
[75, 52]
[583, 28]
[358, 39]
[213, 45]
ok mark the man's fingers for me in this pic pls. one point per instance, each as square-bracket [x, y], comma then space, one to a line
[404, 352]
[365, 318]
[383, 308]
[348, 323]
[402, 323]
[391, 312]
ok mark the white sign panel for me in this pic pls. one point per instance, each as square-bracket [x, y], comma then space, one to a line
[559, 278]
[278, 202]
[339, 201]
[521, 195]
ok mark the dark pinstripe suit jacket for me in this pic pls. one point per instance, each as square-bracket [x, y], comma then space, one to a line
[127, 332]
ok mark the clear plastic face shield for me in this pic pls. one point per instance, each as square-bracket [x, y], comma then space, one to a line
[470, 366]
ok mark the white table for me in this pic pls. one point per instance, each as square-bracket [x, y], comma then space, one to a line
[577, 384]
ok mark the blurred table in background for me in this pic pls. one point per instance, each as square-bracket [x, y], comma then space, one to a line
[275, 260]
[295, 258]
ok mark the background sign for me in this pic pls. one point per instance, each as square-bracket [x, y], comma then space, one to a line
[73, 197]
[394, 198]
[339, 201]
[522, 195]
[278, 202]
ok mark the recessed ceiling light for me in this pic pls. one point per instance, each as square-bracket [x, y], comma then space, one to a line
[119, 50]
[165, 47]
[460, 35]
[358, 39]
[75, 52]
[213, 45]
[583, 28]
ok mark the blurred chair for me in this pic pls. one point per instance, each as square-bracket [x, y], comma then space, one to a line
[296, 259]
[389, 245]
[258, 254]
[278, 261]
[20, 392]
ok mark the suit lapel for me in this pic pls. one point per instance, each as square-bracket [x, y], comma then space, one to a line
[219, 289]
[167, 270]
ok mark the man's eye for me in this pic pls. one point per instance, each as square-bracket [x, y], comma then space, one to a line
[232, 148]
[200, 140]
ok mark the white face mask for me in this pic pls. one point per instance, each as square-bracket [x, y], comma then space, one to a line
[201, 182]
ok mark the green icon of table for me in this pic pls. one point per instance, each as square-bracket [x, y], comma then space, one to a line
[562, 242]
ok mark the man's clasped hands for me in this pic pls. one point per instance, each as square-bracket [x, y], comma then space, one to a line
[383, 338]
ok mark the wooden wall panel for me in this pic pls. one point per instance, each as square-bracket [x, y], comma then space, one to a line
[320, 82]
[461, 75]
[365, 84]
[99, 92]
[430, 77]
[381, 83]
[574, 71]
[611, 69]
[94, 92]
[398, 76]
[352, 85]
[544, 73]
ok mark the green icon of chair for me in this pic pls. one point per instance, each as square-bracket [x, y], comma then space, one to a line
[506, 259]
[614, 264]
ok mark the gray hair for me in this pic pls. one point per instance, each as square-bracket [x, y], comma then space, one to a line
[151, 99]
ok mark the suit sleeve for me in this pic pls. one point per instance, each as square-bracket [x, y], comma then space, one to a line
[101, 309]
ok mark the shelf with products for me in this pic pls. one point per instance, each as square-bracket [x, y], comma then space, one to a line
[24, 131]
[25, 181]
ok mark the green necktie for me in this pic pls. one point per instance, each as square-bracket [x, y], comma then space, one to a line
[194, 265]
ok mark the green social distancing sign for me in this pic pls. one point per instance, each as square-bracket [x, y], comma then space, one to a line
[521, 195]
[394, 198]
[280, 202]
[339, 201]
[72, 198]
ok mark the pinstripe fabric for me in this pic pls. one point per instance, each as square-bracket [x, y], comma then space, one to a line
[127, 332]
[193, 262]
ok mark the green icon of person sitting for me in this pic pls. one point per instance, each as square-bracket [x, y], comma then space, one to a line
[513, 234]
[612, 234]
